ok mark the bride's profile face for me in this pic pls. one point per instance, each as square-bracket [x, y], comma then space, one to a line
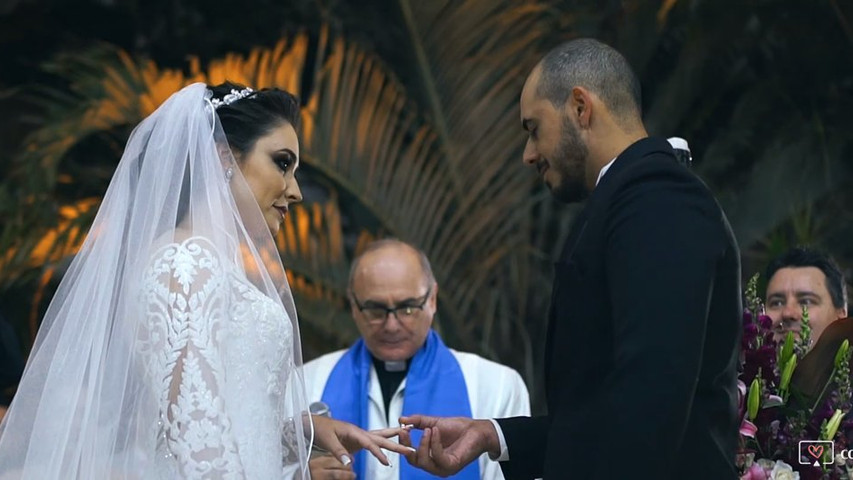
[269, 169]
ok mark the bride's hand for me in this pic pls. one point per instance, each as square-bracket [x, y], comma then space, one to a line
[342, 438]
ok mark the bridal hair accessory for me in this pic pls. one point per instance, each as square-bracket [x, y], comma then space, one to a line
[231, 97]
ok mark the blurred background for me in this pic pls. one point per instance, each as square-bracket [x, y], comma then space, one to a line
[411, 129]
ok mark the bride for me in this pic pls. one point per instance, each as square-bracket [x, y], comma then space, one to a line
[171, 348]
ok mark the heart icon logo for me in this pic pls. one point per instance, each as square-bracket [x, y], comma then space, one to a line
[815, 451]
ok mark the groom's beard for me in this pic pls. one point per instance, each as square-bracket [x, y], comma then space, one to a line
[570, 163]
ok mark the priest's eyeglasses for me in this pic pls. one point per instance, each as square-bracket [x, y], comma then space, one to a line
[375, 314]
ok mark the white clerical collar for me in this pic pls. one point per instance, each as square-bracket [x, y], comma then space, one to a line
[604, 170]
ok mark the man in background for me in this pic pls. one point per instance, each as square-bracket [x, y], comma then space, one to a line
[804, 277]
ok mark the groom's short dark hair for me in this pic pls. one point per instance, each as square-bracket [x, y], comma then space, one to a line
[598, 67]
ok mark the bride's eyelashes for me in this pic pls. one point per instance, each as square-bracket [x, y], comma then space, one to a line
[284, 159]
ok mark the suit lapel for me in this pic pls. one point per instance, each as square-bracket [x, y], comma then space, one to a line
[603, 190]
[575, 234]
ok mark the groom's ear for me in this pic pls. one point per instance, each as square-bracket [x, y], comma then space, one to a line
[579, 107]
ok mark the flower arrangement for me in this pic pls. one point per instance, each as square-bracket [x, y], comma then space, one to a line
[777, 416]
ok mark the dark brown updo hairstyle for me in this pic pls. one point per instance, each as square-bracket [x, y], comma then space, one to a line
[246, 120]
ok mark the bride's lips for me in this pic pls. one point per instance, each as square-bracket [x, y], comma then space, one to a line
[281, 210]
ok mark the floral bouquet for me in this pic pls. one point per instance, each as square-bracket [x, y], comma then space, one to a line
[777, 416]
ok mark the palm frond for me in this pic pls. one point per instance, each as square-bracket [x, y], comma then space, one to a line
[360, 132]
[472, 57]
[785, 180]
[108, 89]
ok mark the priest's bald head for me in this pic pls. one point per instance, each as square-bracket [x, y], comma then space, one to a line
[392, 294]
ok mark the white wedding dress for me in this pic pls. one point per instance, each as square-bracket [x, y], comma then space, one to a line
[171, 347]
[214, 350]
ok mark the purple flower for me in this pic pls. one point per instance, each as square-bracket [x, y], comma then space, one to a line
[823, 412]
[764, 422]
[750, 333]
[763, 358]
[747, 317]
[765, 322]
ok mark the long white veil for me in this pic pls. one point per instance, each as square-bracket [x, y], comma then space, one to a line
[83, 408]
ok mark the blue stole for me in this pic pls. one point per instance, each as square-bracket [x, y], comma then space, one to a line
[434, 386]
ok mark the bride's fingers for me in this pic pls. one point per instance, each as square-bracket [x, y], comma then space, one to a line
[374, 449]
[336, 448]
[392, 446]
[388, 432]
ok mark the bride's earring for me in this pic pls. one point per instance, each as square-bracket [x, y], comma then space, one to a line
[229, 173]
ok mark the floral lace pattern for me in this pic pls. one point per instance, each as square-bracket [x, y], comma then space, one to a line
[218, 352]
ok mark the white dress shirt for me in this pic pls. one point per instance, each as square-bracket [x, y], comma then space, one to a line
[604, 170]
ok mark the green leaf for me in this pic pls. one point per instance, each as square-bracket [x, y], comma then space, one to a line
[753, 399]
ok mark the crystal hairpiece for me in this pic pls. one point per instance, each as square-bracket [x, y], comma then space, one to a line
[231, 97]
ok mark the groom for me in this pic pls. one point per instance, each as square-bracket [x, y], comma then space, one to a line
[644, 326]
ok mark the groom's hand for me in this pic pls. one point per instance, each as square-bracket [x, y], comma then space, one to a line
[449, 444]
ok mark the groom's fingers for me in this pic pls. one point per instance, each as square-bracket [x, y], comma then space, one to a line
[406, 440]
[424, 459]
[415, 456]
[437, 448]
[412, 454]
[445, 461]
[419, 421]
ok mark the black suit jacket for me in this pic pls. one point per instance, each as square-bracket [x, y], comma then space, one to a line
[643, 335]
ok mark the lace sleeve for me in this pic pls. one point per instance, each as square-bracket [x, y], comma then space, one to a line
[187, 302]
